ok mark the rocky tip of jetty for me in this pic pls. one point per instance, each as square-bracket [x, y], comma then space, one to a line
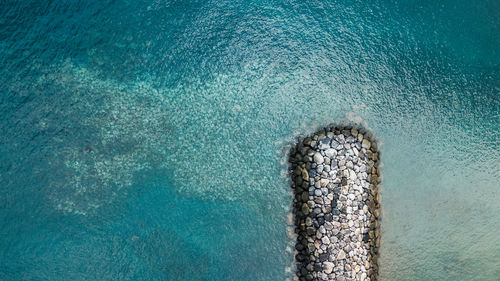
[335, 178]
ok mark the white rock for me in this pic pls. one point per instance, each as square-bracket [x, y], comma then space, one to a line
[365, 209]
[330, 152]
[328, 267]
[341, 255]
[318, 158]
[362, 168]
[340, 138]
[325, 240]
[324, 182]
[352, 175]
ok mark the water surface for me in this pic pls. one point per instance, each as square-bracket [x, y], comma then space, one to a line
[143, 140]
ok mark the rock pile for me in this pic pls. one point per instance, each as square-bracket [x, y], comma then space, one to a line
[335, 174]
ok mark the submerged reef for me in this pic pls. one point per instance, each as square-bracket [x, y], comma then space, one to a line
[335, 177]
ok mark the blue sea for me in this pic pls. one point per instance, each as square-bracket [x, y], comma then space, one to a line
[147, 140]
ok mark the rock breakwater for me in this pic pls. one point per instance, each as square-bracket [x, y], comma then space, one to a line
[335, 177]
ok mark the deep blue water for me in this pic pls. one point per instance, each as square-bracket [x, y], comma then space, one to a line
[145, 140]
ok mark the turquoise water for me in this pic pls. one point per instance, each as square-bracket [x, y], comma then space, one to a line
[145, 140]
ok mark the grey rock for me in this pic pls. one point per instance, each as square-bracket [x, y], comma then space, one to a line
[310, 231]
[314, 144]
[334, 144]
[366, 144]
[324, 144]
[308, 221]
[322, 229]
[305, 209]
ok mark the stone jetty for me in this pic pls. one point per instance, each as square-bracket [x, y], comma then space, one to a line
[335, 177]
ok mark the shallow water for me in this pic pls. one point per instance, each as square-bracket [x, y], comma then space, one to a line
[144, 140]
